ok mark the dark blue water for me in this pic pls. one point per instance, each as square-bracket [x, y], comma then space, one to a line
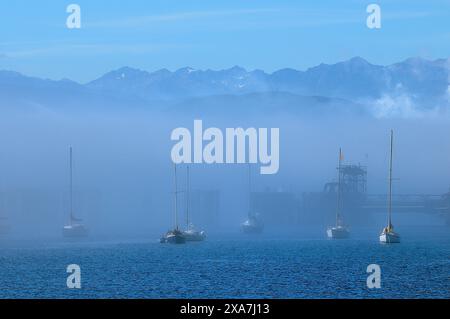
[231, 266]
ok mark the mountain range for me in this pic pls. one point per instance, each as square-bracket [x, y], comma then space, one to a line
[425, 82]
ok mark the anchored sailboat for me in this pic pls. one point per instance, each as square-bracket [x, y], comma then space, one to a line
[388, 235]
[253, 225]
[191, 234]
[174, 236]
[75, 228]
[339, 231]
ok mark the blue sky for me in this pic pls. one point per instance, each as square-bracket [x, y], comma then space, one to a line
[255, 34]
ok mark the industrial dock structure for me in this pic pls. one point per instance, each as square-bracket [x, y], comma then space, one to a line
[285, 208]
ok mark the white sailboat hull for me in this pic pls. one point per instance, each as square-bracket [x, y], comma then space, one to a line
[75, 231]
[338, 232]
[252, 227]
[389, 238]
[173, 237]
[193, 235]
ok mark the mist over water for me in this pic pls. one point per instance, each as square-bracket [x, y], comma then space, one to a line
[98, 99]
[123, 173]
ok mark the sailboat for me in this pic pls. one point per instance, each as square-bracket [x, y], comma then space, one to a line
[174, 236]
[388, 235]
[338, 231]
[253, 224]
[75, 228]
[191, 234]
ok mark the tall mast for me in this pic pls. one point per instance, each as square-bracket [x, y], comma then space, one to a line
[249, 190]
[71, 185]
[339, 188]
[176, 197]
[390, 181]
[187, 198]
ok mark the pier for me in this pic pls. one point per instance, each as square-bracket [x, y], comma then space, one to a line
[316, 207]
